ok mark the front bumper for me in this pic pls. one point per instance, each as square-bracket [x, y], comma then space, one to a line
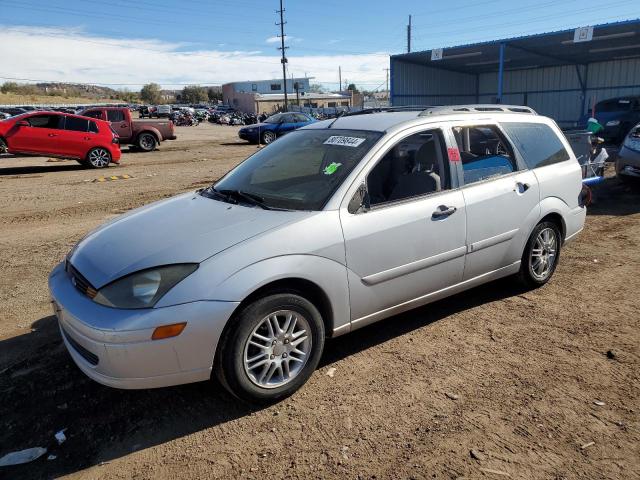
[628, 163]
[124, 356]
[248, 136]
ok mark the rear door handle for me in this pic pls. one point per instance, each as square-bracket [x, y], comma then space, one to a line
[443, 211]
[53, 134]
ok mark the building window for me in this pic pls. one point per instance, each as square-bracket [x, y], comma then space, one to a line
[345, 104]
[276, 86]
[254, 87]
[331, 104]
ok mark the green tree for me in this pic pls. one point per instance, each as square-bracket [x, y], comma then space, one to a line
[352, 87]
[316, 88]
[9, 87]
[151, 94]
[194, 94]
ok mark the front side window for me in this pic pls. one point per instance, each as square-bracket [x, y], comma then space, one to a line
[299, 171]
[484, 152]
[46, 121]
[537, 142]
[115, 115]
[413, 167]
[76, 124]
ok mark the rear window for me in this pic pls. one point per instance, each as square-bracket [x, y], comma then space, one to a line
[537, 142]
[93, 114]
[76, 124]
[115, 115]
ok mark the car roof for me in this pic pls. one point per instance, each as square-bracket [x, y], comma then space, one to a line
[393, 120]
[376, 122]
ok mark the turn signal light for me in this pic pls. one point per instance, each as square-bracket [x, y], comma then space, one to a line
[168, 331]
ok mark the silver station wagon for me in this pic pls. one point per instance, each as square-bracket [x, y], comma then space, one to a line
[332, 227]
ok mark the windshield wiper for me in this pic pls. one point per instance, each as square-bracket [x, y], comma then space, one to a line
[251, 198]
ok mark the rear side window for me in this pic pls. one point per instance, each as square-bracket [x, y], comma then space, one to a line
[93, 127]
[484, 153]
[115, 115]
[537, 142]
[76, 124]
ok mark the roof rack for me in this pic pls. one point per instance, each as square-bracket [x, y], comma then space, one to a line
[406, 108]
[488, 108]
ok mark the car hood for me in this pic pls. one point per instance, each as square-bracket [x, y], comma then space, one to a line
[183, 229]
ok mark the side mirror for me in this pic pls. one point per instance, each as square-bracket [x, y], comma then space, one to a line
[360, 200]
[22, 123]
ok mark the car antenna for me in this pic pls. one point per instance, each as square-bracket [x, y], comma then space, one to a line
[336, 119]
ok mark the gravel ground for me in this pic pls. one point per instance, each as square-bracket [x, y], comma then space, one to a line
[493, 383]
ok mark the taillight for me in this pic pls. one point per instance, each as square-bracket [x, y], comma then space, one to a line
[584, 199]
[115, 140]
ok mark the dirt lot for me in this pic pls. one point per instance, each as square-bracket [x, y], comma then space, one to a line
[510, 374]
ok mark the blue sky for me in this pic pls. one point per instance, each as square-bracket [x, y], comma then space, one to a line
[130, 42]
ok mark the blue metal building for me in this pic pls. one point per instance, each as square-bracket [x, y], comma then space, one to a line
[268, 86]
[559, 74]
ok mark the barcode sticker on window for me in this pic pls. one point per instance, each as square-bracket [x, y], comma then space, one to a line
[344, 141]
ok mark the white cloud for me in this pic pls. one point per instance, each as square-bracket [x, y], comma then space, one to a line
[288, 39]
[71, 55]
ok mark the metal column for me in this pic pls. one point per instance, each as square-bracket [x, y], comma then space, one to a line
[500, 73]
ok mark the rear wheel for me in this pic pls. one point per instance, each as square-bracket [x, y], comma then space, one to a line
[3, 146]
[271, 349]
[541, 255]
[268, 137]
[147, 142]
[98, 158]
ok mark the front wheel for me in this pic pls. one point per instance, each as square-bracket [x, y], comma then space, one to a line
[541, 255]
[3, 146]
[268, 137]
[98, 158]
[271, 349]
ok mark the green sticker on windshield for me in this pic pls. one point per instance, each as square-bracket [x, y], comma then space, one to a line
[331, 168]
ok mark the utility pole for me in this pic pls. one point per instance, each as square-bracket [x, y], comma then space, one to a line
[339, 78]
[409, 36]
[283, 60]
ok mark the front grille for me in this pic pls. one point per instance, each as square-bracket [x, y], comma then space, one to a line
[92, 358]
[81, 283]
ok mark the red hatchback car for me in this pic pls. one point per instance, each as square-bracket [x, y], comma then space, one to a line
[90, 141]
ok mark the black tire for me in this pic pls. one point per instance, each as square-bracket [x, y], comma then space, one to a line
[98, 158]
[527, 275]
[147, 142]
[268, 137]
[3, 146]
[230, 359]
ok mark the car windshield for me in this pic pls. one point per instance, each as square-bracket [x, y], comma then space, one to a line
[299, 171]
[621, 105]
[277, 118]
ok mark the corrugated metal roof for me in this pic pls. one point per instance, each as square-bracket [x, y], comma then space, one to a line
[610, 41]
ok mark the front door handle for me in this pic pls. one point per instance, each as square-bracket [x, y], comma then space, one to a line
[53, 134]
[521, 187]
[443, 211]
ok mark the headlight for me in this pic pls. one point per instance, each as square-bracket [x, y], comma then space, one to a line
[143, 289]
[612, 123]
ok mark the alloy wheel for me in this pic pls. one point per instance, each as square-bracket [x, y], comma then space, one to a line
[543, 254]
[277, 349]
[99, 158]
[268, 137]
